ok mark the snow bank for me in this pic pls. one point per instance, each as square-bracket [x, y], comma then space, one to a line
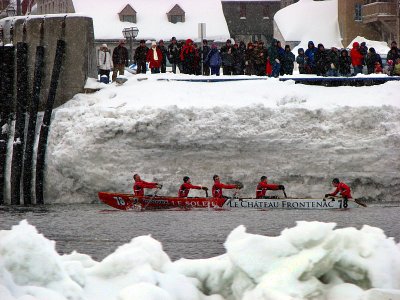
[152, 19]
[312, 260]
[299, 136]
[309, 20]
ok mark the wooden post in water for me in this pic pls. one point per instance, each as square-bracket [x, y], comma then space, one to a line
[44, 130]
[6, 103]
[18, 145]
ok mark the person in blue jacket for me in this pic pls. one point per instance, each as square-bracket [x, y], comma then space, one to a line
[214, 59]
[311, 66]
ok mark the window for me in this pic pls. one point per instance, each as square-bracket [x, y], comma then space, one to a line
[358, 12]
[176, 19]
[243, 10]
[129, 18]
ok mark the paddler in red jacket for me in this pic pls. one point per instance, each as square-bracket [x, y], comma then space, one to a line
[263, 186]
[218, 186]
[140, 185]
[341, 188]
[184, 189]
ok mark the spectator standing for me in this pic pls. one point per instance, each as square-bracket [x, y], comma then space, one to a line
[344, 63]
[154, 57]
[260, 59]
[214, 59]
[288, 59]
[273, 53]
[140, 57]
[333, 62]
[371, 59]
[204, 54]
[249, 59]
[301, 60]
[120, 59]
[164, 52]
[394, 52]
[242, 54]
[105, 63]
[311, 67]
[188, 57]
[364, 52]
[227, 58]
[321, 60]
[174, 52]
[356, 58]
[396, 68]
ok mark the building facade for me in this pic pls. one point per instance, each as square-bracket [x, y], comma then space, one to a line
[372, 19]
[251, 21]
[285, 3]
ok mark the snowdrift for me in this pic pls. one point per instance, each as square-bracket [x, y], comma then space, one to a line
[310, 261]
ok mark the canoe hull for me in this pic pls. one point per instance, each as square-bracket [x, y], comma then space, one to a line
[131, 202]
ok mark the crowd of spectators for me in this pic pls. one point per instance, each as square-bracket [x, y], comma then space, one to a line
[258, 59]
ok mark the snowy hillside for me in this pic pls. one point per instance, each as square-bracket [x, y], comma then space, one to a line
[299, 136]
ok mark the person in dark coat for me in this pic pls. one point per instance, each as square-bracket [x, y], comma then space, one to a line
[164, 52]
[371, 59]
[174, 52]
[288, 59]
[249, 59]
[364, 51]
[275, 57]
[214, 59]
[204, 53]
[301, 60]
[311, 67]
[344, 63]
[140, 57]
[394, 52]
[120, 59]
[260, 59]
[321, 61]
[333, 62]
[227, 58]
[242, 55]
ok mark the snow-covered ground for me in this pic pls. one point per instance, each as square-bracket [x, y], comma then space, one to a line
[310, 261]
[300, 136]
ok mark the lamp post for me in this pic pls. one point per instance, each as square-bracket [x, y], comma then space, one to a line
[10, 11]
[130, 33]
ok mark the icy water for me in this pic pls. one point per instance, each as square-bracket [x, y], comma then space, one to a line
[96, 230]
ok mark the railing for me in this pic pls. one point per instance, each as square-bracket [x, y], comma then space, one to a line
[379, 9]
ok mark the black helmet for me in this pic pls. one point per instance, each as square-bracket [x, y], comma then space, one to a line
[186, 178]
[335, 180]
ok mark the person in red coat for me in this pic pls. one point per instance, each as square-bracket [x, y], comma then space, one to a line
[154, 57]
[341, 188]
[218, 186]
[357, 58]
[263, 186]
[184, 189]
[140, 185]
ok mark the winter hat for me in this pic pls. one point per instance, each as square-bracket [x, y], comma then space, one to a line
[300, 50]
[372, 50]
[310, 43]
[153, 43]
[356, 45]
[250, 44]
[173, 38]
[104, 46]
[287, 47]
[228, 41]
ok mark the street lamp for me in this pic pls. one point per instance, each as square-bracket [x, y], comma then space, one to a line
[10, 11]
[130, 34]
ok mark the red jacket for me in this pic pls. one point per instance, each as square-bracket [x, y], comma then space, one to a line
[356, 56]
[139, 186]
[218, 186]
[343, 189]
[263, 187]
[150, 58]
[185, 188]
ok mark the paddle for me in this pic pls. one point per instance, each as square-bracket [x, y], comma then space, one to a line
[350, 199]
[152, 198]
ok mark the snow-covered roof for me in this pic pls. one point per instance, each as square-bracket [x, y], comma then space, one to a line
[152, 20]
[310, 20]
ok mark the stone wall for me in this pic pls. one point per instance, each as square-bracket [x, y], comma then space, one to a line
[80, 58]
